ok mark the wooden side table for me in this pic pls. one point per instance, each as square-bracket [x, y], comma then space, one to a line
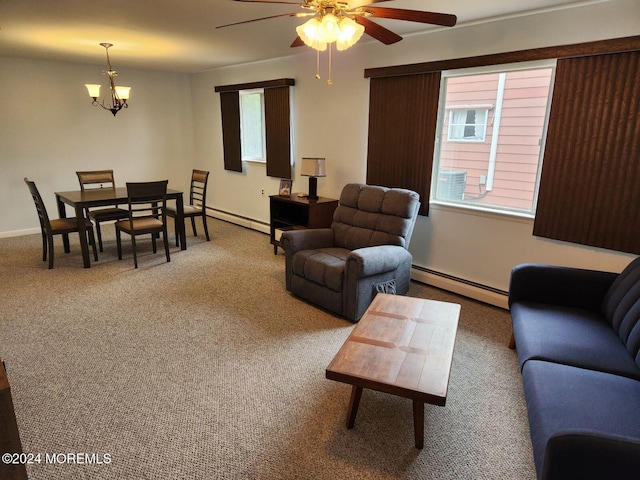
[290, 212]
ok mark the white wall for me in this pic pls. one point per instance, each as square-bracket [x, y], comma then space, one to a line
[331, 121]
[49, 130]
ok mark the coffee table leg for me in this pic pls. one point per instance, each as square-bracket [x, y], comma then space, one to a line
[418, 423]
[356, 393]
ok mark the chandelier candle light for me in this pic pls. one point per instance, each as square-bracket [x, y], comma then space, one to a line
[119, 94]
[313, 168]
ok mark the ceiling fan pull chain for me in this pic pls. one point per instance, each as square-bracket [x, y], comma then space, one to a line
[330, 82]
[318, 64]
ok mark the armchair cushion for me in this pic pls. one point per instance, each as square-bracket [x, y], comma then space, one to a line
[324, 267]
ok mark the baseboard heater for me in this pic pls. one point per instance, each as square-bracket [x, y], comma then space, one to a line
[239, 220]
[462, 286]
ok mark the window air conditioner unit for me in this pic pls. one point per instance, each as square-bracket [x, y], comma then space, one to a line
[451, 184]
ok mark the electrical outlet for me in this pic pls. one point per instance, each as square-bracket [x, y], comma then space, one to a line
[483, 179]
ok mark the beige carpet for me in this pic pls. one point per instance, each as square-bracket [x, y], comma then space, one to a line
[206, 368]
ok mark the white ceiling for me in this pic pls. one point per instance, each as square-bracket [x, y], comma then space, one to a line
[180, 35]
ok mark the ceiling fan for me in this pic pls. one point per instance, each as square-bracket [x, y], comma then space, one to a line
[334, 13]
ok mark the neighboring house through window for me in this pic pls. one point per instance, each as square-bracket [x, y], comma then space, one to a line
[490, 136]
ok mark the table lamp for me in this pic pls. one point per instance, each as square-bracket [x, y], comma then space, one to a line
[313, 168]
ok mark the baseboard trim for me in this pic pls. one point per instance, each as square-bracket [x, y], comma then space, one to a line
[19, 233]
[461, 286]
[239, 220]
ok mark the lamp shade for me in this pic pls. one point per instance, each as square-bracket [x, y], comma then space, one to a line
[313, 167]
[123, 92]
[94, 90]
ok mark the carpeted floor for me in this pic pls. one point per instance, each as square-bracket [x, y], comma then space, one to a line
[206, 368]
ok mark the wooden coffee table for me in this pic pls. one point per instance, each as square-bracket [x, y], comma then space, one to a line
[402, 346]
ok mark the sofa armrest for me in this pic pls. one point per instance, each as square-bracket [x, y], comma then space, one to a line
[572, 287]
[370, 261]
[293, 241]
[591, 455]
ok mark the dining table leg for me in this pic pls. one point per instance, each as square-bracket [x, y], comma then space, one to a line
[82, 233]
[62, 213]
[180, 219]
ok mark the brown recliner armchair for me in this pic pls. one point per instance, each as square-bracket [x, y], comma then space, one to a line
[364, 252]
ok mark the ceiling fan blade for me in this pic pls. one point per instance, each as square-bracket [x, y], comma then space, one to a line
[263, 18]
[378, 32]
[268, 1]
[363, 3]
[297, 42]
[444, 19]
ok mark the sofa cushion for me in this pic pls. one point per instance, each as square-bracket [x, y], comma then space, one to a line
[570, 402]
[324, 266]
[622, 285]
[571, 336]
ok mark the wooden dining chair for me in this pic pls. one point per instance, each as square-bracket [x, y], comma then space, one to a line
[147, 215]
[197, 203]
[100, 179]
[59, 226]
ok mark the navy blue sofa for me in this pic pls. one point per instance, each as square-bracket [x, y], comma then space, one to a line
[577, 336]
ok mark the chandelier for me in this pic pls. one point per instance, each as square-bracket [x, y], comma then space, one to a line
[119, 95]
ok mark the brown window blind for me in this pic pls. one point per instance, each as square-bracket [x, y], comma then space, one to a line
[277, 125]
[589, 185]
[277, 132]
[230, 108]
[402, 122]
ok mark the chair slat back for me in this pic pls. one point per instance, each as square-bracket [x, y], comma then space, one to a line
[198, 191]
[96, 179]
[147, 198]
[45, 224]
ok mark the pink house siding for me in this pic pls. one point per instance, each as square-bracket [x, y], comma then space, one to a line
[519, 138]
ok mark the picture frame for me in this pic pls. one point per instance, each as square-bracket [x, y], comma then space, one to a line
[285, 187]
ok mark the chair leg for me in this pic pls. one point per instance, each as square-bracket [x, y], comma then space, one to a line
[204, 223]
[166, 243]
[99, 232]
[153, 242]
[50, 248]
[133, 246]
[44, 247]
[92, 242]
[176, 231]
[193, 226]
[119, 243]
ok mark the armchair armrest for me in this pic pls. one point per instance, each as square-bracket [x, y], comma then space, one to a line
[293, 241]
[369, 261]
[573, 287]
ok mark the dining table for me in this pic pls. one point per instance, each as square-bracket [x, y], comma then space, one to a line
[80, 200]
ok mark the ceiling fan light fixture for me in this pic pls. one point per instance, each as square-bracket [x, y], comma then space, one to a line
[350, 33]
[310, 33]
[318, 33]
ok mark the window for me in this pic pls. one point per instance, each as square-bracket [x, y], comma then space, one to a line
[252, 132]
[273, 138]
[467, 125]
[490, 135]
